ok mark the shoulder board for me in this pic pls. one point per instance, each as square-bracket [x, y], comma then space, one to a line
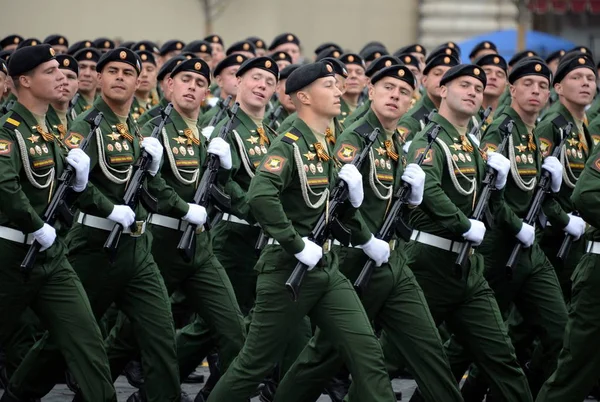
[13, 121]
[559, 121]
[155, 112]
[291, 136]
[504, 123]
[364, 129]
[91, 116]
[421, 113]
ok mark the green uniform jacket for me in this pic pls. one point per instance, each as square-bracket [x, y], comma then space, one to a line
[152, 112]
[586, 195]
[415, 119]
[344, 113]
[280, 119]
[594, 110]
[289, 122]
[80, 106]
[594, 129]
[8, 104]
[290, 175]
[205, 118]
[358, 113]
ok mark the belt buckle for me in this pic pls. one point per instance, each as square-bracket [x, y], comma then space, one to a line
[140, 228]
[327, 247]
[392, 244]
[199, 229]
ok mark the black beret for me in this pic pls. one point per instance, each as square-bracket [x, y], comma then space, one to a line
[373, 52]
[492, 60]
[198, 46]
[90, 54]
[196, 65]
[5, 54]
[328, 45]
[329, 52]
[168, 66]
[104, 44]
[54, 40]
[571, 62]
[530, 66]
[352, 58]
[582, 49]
[443, 50]
[264, 63]
[283, 39]
[171, 46]
[440, 60]
[462, 70]
[409, 60]
[520, 56]
[400, 72]
[146, 56]
[77, 46]
[279, 56]
[381, 62]
[338, 66]
[241, 46]
[453, 46]
[231, 60]
[3, 67]
[285, 73]
[10, 40]
[555, 55]
[214, 39]
[67, 62]
[145, 45]
[485, 45]
[28, 58]
[29, 42]
[128, 44]
[371, 44]
[188, 55]
[258, 42]
[414, 48]
[307, 74]
[122, 55]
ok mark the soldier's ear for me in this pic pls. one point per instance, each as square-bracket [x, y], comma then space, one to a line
[371, 91]
[170, 84]
[303, 97]
[559, 89]
[443, 91]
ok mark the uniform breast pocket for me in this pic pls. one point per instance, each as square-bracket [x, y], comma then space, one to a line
[255, 153]
[119, 153]
[384, 169]
[41, 157]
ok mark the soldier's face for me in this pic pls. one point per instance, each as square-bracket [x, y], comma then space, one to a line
[45, 82]
[164, 86]
[431, 81]
[284, 99]
[463, 95]
[118, 82]
[390, 98]
[324, 97]
[148, 77]
[3, 85]
[356, 80]
[227, 81]
[282, 64]
[578, 87]
[260, 52]
[218, 53]
[530, 93]
[496, 81]
[88, 77]
[70, 87]
[188, 91]
[416, 72]
[60, 49]
[256, 87]
[290, 48]
[421, 58]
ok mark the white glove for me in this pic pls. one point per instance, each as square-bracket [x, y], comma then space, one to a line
[475, 233]
[45, 236]
[526, 235]
[196, 215]
[350, 174]
[415, 176]
[377, 250]
[554, 167]
[501, 165]
[406, 146]
[207, 131]
[123, 215]
[155, 150]
[575, 227]
[310, 255]
[81, 163]
[220, 147]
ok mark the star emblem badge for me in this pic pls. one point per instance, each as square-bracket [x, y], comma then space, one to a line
[114, 136]
[310, 156]
[179, 140]
[34, 138]
[380, 151]
[457, 147]
[252, 140]
[521, 148]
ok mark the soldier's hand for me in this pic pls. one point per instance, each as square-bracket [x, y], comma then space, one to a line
[310, 255]
[81, 163]
[406, 146]
[350, 174]
[575, 227]
[123, 215]
[475, 233]
[207, 131]
[196, 215]
[155, 150]
[554, 167]
[45, 236]
[526, 235]
[415, 176]
[501, 165]
[377, 250]
[220, 147]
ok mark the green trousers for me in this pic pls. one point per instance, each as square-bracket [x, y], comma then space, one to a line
[328, 298]
[133, 282]
[578, 365]
[56, 296]
[469, 309]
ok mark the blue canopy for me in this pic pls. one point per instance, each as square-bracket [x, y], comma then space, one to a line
[506, 41]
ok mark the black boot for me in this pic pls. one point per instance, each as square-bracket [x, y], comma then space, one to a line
[10, 397]
[268, 387]
[134, 373]
[215, 375]
[339, 386]
[473, 390]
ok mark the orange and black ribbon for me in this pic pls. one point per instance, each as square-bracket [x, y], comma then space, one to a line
[389, 148]
[329, 137]
[191, 138]
[466, 144]
[582, 143]
[61, 131]
[122, 129]
[263, 136]
[321, 153]
[48, 137]
[531, 143]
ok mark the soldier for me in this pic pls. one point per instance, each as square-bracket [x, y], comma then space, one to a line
[414, 50]
[287, 207]
[168, 50]
[288, 43]
[10, 42]
[283, 99]
[104, 44]
[30, 160]
[59, 43]
[282, 59]
[394, 298]
[328, 46]
[4, 78]
[461, 299]
[505, 98]
[114, 149]
[58, 111]
[201, 49]
[87, 59]
[482, 49]
[77, 46]
[145, 94]
[355, 83]
[218, 49]
[553, 59]
[259, 45]
[372, 52]
[243, 47]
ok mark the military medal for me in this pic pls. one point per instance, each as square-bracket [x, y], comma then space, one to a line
[468, 157]
[569, 152]
[175, 151]
[34, 138]
[251, 152]
[263, 149]
[125, 146]
[380, 151]
[313, 168]
[190, 150]
[44, 148]
[388, 164]
[524, 158]
[31, 151]
[306, 168]
[114, 136]
[518, 159]
[461, 156]
[320, 167]
[182, 150]
[382, 162]
[118, 146]
[110, 147]
[257, 150]
[580, 154]
[530, 158]
[377, 162]
[455, 158]
[38, 150]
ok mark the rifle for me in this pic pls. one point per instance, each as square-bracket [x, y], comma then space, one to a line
[57, 208]
[565, 246]
[72, 103]
[393, 218]
[273, 116]
[222, 105]
[207, 191]
[543, 188]
[135, 190]
[473, 134]
[328, 218]
[479, 212]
